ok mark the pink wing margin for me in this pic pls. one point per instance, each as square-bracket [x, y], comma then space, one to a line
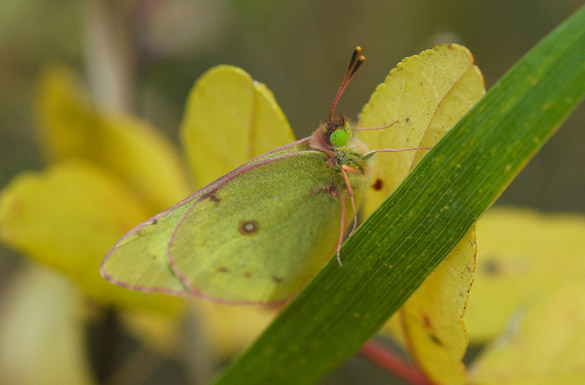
[197, 197]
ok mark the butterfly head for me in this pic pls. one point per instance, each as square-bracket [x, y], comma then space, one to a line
[338, 131]
[337, 137]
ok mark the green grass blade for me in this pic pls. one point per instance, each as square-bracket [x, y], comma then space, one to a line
[344, 306]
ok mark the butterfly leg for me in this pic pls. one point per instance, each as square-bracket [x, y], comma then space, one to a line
[344, 170]
[341, 230]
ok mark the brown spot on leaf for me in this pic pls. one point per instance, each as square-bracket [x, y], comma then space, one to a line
[490, 267]
[247, 274]
[407, 119]
[435, 339]
[277, 279]
[427, 321]
[248, 227]
[223, 269]
[378, 184]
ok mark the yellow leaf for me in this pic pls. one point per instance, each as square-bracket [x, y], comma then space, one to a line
[221, 330]
[71, 127]
[42, 337]
[426, 95]
[230, 328]
[432, 318]
[229, 119]
[157, 331]
[545, 343]
[68, 217]
[521, 254]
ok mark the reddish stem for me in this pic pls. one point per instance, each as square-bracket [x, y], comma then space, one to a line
[393, 363]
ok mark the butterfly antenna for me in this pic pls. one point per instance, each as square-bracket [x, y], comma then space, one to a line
[354, 64]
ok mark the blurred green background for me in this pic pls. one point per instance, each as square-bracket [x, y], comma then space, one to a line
[143, 56]
[298, 48]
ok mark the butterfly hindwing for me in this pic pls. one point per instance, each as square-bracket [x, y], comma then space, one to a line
[260, 236]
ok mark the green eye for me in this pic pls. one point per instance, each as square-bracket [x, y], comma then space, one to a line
[339, 138]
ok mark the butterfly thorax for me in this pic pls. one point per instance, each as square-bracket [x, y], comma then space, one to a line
[349, 152]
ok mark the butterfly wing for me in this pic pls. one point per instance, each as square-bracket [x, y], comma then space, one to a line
[256, 235]
[139, 261]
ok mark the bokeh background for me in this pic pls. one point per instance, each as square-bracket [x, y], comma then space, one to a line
[298, 48]
[143, 57]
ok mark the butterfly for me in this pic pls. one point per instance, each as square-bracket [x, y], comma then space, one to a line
[260, 232]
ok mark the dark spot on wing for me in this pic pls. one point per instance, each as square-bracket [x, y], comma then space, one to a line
[277, 279]
[407, 119]
[154, 221]
[248, 227]
[332, 190]
[378, 184]
[212, 197]
[247, 274]
[223, 269]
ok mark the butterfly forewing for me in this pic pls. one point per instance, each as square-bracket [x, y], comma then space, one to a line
[139, 260]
